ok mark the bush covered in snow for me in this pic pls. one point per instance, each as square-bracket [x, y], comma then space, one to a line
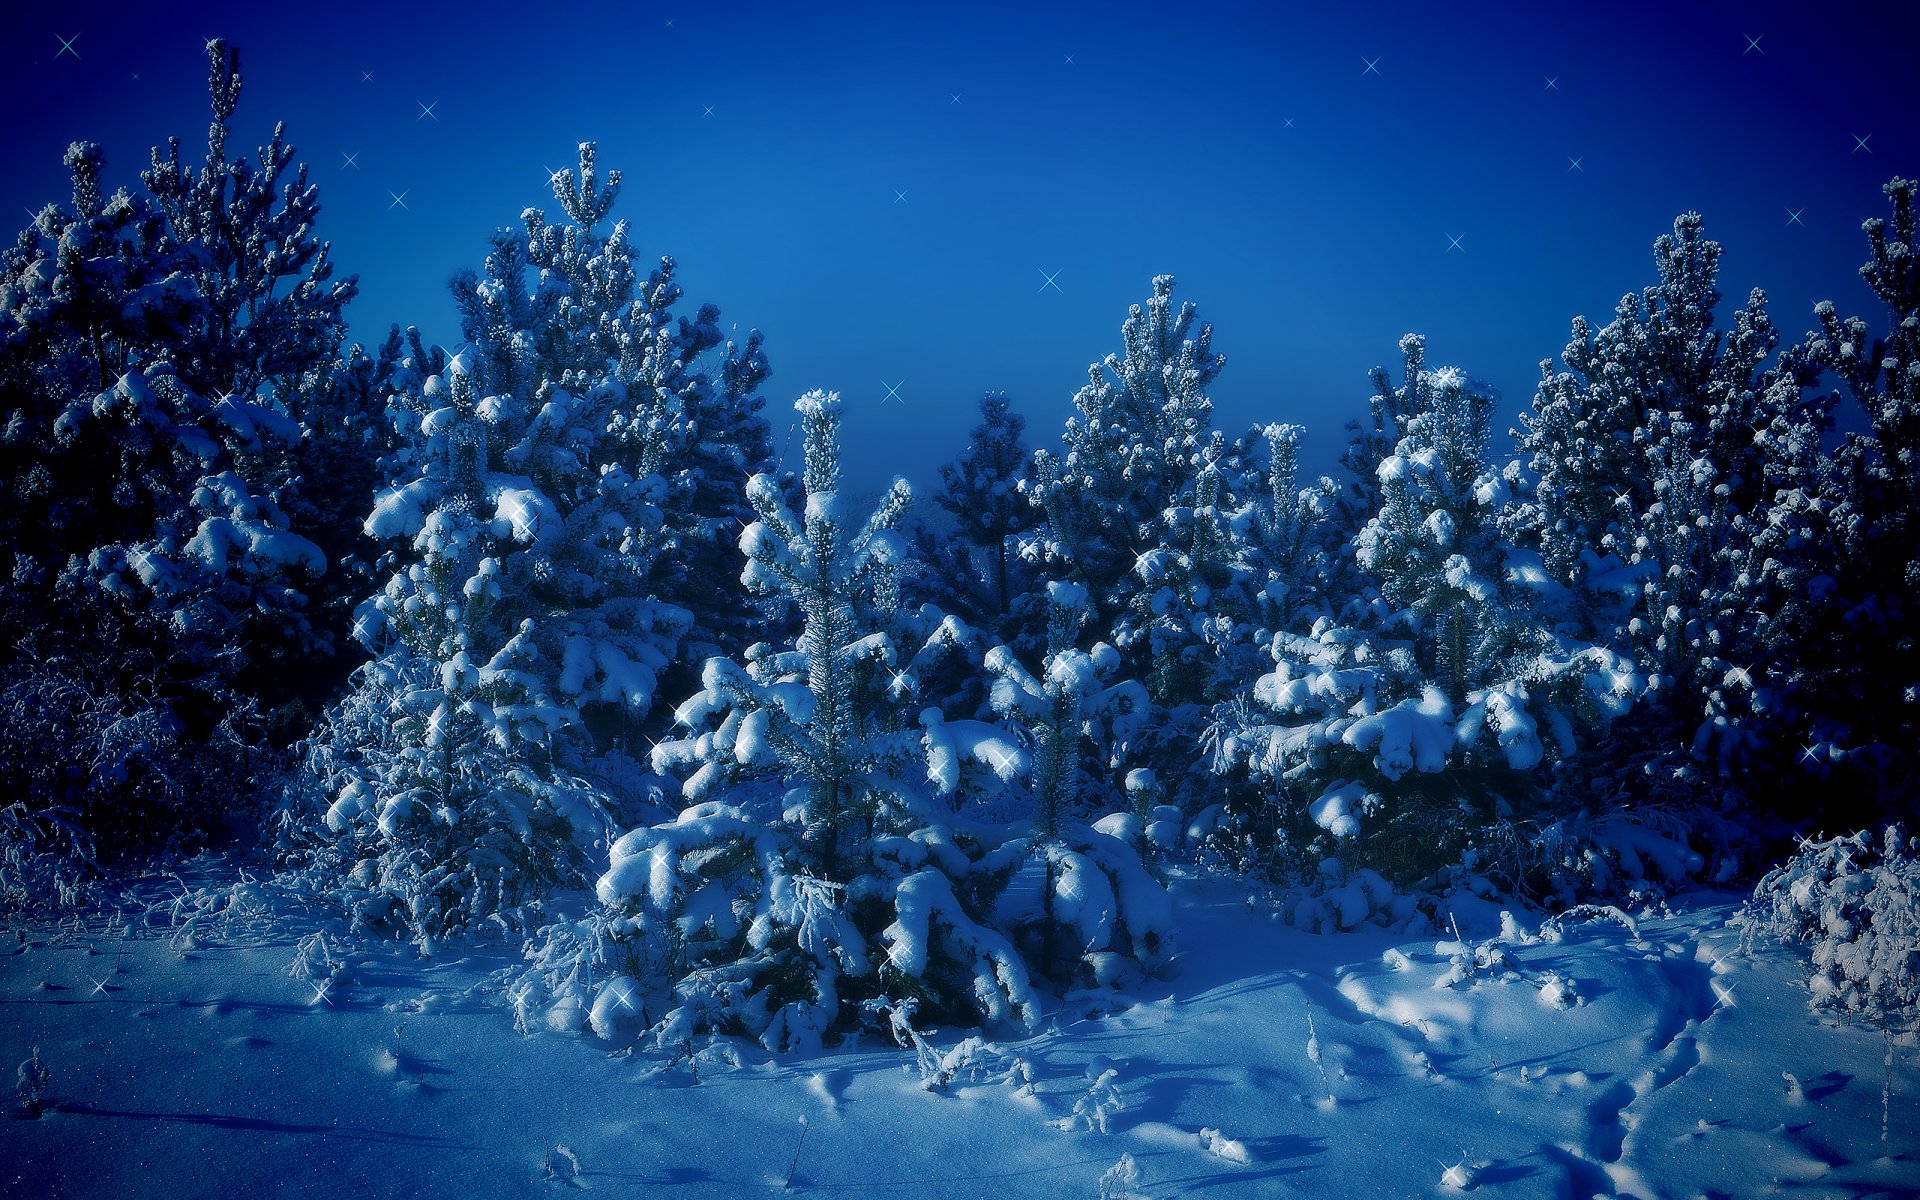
[1854, 904]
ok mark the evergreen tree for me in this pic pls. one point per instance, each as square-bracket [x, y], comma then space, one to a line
[832, 857]
[1134, 449]
[528, 512]
[561, 303]
[1421, 714]
[273, 313]
[1660, 456]
[1135, 514]
[1856, 539]
[1276, 529]
[157, 559]
[982, 492]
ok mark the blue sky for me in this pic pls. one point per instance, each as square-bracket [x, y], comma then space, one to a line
[1497, 169]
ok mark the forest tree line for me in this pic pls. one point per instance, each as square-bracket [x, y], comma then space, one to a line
[463, 629]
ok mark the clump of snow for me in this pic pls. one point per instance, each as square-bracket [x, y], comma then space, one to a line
[619, 1011]
[1221, 1146]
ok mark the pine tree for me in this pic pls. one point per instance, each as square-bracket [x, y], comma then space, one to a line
[1276, 530]
[1859, 540]
[528, 515]
[564, 302]
[813, 822]
[982, 492]
[837, 858]
[1135, 514]
[1133, 449]
[1659, 458]
[1422, 712]
[274, 315]
[155, 566]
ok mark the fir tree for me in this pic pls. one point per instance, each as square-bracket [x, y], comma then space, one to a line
[835, 856]
[528, 515]
[1133, 449]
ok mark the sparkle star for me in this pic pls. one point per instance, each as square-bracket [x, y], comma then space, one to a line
[893, 391]
[366, 77]
[426, 110]
[99, 987]
[899, 197]
[1860, 143]
[1553, 83]
[1289, 122]
[66, 46]
[352, 160]
[1069, 58]
[399, 199]
[1372, 67]
[1050, 280]
[956, 96]
[1453, 243]
[321, 992]
[1793, 216]
[709, 111]
[1808, 756]
[1753, 44]
[1573, 164]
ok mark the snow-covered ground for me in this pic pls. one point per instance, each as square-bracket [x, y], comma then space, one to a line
[1659, 1060]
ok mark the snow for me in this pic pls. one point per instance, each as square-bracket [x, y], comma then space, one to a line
[184, 1058]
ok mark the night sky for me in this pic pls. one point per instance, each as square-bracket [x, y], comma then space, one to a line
[945, 199]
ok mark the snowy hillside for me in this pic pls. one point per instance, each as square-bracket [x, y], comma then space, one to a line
[200, 1046]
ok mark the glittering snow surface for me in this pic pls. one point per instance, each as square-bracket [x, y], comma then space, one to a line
[230, 1053]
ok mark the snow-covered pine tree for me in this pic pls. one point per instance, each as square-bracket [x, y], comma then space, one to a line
[148, 535]
[1658, 457]
[1280, 563]
[817, 865]
[519, 598]
[1355, 500]
[274, 315]
[1076, 897]
[269, 327]
[1422, 712]
[563, 302]
[1135, 449]
[982, 492]
[833, 860]
[1135, 513]
[527, 591]
[1861, 662]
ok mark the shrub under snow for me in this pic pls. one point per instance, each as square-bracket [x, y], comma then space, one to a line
[1855, 904]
